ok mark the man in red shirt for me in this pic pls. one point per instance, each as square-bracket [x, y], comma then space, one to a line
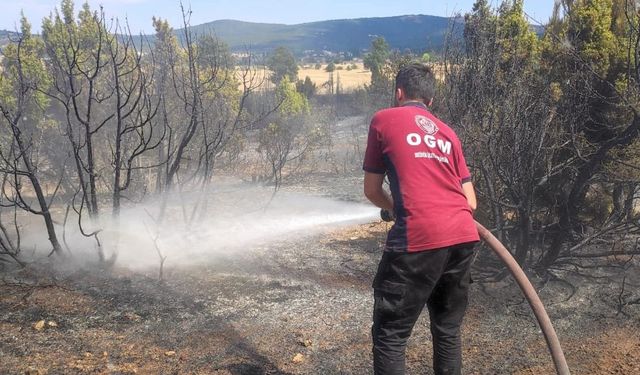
[429, 249]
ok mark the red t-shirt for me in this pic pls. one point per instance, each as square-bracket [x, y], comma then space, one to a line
[423, 160]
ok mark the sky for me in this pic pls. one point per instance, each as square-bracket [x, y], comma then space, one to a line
[138, 13]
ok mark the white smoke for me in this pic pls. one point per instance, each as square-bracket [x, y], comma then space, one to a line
[230, 219]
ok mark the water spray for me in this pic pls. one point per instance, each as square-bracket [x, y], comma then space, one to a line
[527, 289]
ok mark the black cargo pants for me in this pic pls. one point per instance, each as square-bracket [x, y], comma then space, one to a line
[404, 284]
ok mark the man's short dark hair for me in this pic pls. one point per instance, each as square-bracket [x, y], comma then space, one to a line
[417, 81]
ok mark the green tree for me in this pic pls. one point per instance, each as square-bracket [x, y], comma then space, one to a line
[518, 42]
[330, 68]
[287, 138]
[77, 59]
[167, 56]
[550, 123]
[293, 103]
[306, 87]
[597, 98]
[283, 64]
[494, 84]
[202, 104]
[376, 60]
[23, 79]
[479, 27]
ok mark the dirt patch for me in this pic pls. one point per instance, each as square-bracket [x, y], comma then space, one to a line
[611, 351]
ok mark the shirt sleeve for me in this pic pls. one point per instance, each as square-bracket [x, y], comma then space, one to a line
[373, 158]
[461, 165]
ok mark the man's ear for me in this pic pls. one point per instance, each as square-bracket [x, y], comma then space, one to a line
[399, 95]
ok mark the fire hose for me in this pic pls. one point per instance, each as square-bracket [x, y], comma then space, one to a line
[530, 293]
[553, 343]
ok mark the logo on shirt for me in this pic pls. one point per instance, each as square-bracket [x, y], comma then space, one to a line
[426, 125]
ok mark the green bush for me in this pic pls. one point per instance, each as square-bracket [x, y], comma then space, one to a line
[331, 67]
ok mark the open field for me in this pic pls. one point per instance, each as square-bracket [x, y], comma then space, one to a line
[349, 79]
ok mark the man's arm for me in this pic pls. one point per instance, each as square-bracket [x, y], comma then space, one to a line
[374, 191]
[469, 192]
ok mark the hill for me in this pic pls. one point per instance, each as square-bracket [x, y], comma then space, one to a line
[4, 37]
[414, 32]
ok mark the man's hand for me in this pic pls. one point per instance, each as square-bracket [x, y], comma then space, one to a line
[387, 215]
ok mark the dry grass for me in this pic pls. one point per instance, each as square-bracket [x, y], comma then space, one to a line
[349, 79]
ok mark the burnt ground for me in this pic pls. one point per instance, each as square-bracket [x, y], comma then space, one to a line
[293, 307]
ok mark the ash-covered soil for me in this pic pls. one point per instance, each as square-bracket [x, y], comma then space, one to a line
[299, 306]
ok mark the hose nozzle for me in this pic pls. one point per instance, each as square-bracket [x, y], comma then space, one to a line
[387, 215]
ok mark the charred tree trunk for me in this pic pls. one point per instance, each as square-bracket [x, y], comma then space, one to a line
[30, 172]
[568, 213]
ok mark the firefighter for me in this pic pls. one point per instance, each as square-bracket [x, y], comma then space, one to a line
[429, 248]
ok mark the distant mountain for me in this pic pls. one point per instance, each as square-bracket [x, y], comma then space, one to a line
[415, 32]
[4, 37]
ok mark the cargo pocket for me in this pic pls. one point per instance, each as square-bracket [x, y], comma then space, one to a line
[389, 298]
